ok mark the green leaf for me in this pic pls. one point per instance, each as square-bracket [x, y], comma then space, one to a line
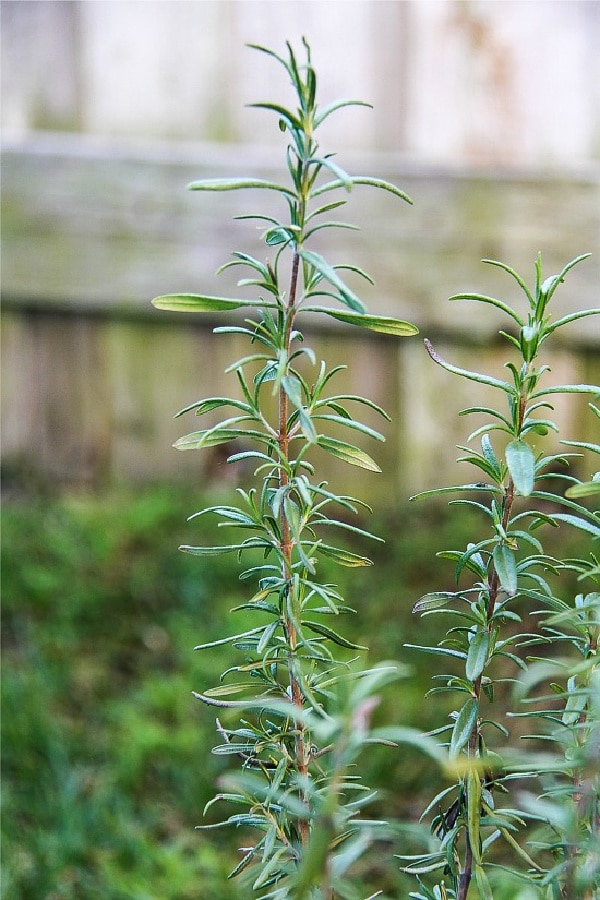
[200, 303]
[513, 274]
[329, 274]
[220, 434]
[331, 635]
[348, 453]
[582, 524]
[483, 885]
[464, 725]
[572, 317]
[276, 236]
[338, 104]
[490, 456]
[440, 651]
[235, 184]
[584, 489]
[337, 523]
[434, 600]
[344, 557]
[225, 548]
[521, 465]
[481, 298]
[585, 445]
[293, 388]
[380, 324]
[361, 179]
[228, 640]
[203, 406]
[474, 813]
[506, 568]
[568, 389]
[466, 373]
[477, 655]
[306, 424]
[347, 422]
[281, 111]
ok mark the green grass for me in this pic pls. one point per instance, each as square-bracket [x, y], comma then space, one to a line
[106, 762]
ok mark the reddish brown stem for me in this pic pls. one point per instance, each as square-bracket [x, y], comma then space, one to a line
[494, 587]
[302, 750]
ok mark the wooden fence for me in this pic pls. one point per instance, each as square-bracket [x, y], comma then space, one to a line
[92, 373]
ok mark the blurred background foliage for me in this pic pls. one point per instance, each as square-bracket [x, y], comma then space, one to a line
[106, 761]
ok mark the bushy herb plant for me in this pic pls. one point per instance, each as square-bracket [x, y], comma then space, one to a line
[568, 715]
[296, 745]
[520, 492]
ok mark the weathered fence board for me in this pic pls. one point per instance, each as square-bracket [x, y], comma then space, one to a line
[93, 225]
[92, 373]
[91, 399]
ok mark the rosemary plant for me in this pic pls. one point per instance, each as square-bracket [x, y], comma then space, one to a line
[503, 572]
[569, 717]
[294, 791]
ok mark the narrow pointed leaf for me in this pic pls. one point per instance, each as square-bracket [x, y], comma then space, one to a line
[235, 184]
[281, 111]
[293, 388]
[568, 389]
[477, 655]
[361, 179]
[201, 303]
[466, 373]
[351, 423]
[348, 453]
[344, 557]
[434, 600]
[203, 406]
[380, 324]
[196, 440]
[464, 725]
[228, 640]
[330, 275]
[506, 567]
[306, 424]
[571, 318]
[439, 651]
[474, 813]
[521, 465]
[225, 548]
[332, 635]
[483, 885]
[584, 489]
[582, 524]
[481, 298]
[338, 104]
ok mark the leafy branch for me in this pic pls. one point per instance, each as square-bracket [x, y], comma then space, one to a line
[294, 778]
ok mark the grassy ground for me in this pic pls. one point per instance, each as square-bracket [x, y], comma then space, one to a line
[106, 761]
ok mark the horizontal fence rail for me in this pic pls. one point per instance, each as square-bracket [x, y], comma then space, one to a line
[92, 374]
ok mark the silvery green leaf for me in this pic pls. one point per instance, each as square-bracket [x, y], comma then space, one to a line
[293, 388]
[477, 655]
[332, 635]
[585, 489]
[380, 324]
[506, 568]
[348, 453]
[464, 725]
[235, 184]
[200, 303]
[521, 465]
[434, 600]
[329, 274]
[582, 524]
